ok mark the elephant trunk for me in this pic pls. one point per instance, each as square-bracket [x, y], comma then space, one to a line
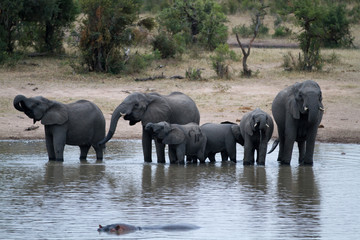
[17, 102]
[313, 114]
[114, 120]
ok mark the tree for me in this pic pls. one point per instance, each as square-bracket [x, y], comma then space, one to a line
[43, 23]
[104, 30]
[9, 23]
[198, 21]
[310, 15]
[257, 21]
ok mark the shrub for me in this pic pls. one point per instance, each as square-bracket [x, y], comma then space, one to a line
[105, 29]
[193, 74]
[221, 60]
[197, 21]
[165, 45]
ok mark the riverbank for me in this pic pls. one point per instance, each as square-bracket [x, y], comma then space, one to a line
[217, 100]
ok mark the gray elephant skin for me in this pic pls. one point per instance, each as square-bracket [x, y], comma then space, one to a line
[182, 140]
[221, 138]
[175, 108]
[80, 123]
[256, 129]
[298, 111]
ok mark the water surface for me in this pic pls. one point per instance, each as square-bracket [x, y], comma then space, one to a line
[51, 200]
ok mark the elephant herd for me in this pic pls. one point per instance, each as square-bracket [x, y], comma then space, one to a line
[174, 119]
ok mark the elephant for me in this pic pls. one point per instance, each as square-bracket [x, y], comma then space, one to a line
[221, 138]
[80, 123]
[182, 140]
[298, 111]
[256, 129]
[152, 107]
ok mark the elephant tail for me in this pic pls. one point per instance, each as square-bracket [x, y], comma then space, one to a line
[276, 142]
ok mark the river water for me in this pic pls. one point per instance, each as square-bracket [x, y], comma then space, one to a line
[51, 200]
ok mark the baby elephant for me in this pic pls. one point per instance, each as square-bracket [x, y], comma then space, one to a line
[221, 138]
[80, 123]
[182, 140]
[256, 128]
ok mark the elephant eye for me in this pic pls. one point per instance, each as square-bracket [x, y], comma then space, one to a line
[136, 105]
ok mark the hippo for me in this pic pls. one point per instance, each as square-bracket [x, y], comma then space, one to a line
[121, 228]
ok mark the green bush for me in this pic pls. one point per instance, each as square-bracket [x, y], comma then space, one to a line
[193, 74]
[105, 29]
[221, 60]
[197, 21]
[337, 27]
[281, 32]
[167, 45]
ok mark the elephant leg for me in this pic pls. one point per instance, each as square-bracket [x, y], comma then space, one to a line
[180, 153]
[160, 152]
[146, 145]
[99, 152]
[249, 151]
[231, 150]
[211, 157]
[310, 146]
[224, 156]
[301, 147]
[84, 151]
[59, 145]
[50, 147]
[172, 155]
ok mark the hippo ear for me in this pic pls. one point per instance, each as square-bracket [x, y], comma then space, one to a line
[56, 114]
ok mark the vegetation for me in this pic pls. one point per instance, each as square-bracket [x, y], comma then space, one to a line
[111, 37]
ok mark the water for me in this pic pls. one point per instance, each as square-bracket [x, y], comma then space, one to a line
[50, 200]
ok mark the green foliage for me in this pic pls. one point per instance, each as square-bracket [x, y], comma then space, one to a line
[165, 45]
[193, 74]
[282, 32]
[9, 24]
[221, 60]
[138, 62]
[337, 27]
[105, 29]
[197, 21]
[310, 15]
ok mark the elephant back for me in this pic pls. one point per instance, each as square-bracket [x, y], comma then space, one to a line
[184, 109]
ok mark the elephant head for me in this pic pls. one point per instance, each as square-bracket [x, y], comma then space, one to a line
[307, 99]
[258, 121]
[40, 108]
[166, 133]
[138, 107]
[235, 128]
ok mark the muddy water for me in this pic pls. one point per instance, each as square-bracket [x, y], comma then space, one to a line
[49, 200]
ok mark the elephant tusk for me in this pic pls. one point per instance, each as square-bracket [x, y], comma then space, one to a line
[255, 125]
[322, 109]
[267, 125]
[122, 114]
[306, 108]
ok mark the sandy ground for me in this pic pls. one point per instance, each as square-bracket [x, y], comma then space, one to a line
[217, 100]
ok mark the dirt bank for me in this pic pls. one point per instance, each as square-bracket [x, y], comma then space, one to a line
[217, 100]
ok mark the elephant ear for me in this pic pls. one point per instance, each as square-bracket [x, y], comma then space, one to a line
[293, 98]
[249, 127]
[174, 136]
[158, 110]
[56, 114]
[237, 134]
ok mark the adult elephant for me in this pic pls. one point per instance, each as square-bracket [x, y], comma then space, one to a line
[298, 111]
[80, 123]
[256, 129]
[182, 139]
[175, 108]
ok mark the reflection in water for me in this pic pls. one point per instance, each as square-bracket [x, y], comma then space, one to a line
[298, 202]
[68, 200]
